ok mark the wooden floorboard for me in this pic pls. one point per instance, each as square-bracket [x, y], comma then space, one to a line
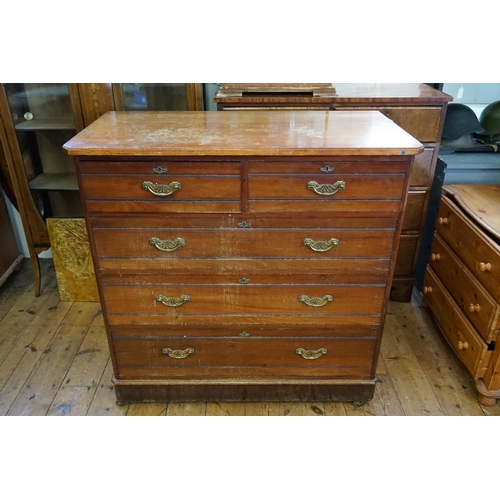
[54, 361]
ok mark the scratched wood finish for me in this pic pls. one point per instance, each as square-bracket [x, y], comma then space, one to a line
[417, 108]
[418, 374]
[354, 165]
[245, 133]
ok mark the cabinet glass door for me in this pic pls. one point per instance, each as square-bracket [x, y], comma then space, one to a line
[42, 115]
[154, 96]
[159, 96]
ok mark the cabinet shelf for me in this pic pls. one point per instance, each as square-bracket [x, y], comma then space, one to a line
[55, 182]
[47, 124]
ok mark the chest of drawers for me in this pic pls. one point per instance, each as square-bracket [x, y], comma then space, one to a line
[462, 282]
[417, 108]
[244, 256]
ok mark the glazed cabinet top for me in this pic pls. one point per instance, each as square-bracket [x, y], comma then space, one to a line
[243, 133]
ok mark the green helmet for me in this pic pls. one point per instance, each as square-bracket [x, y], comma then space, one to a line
[490, 120]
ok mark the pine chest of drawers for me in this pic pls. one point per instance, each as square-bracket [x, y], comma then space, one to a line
[462, 281]
[246, 255]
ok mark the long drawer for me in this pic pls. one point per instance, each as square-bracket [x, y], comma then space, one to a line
[457, 329]
[470, 295]
[197, 242]
[210, 303]
[227, 357]
[477, 251]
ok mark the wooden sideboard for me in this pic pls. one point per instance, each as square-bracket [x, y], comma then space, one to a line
[247, 255]
[462, 281]
[417, 108]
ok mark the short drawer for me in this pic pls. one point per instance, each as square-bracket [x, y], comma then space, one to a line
[479, 253]
[414, 210]
[162, 193]
[407, 254]
[229, 357]
[423, 169]
[457, 329]
[183, 303]
[422, 122]
[470, 295]
[348, 192]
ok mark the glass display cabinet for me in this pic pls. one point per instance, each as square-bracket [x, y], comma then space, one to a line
[36, 119]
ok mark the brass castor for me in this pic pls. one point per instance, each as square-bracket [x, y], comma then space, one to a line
[359, 404]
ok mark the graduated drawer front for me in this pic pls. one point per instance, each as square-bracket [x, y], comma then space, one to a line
[455, 326]
[414, 210]
[478, 252]
[361, 193]
[263, 303]
[423, 169]
[314, 328]
[227, 357]
[197, 243]
[422, 122]
[195, 187]
[470, 295]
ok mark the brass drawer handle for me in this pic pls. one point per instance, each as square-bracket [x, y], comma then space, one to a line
[443, 221]
[178, 353]
[315, 301]
[435, 256]
[462, 345]
[167, 245]
[325, 189]
[244, 334]
[173, 301]
[161, 189]
[244, 281]
[474, 308]
[484, 267]
[427, 289]
[320, 246]
[310, 354]
[244, 224]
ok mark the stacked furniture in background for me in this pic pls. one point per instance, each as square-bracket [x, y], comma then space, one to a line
[417, 108]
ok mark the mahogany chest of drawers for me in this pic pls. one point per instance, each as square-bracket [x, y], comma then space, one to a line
[462, 281]
[244, 256]
[417, 108]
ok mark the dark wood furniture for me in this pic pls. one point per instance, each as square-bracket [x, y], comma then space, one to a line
[462, 281]
[417, 108]
[10, 256]
[245, 255]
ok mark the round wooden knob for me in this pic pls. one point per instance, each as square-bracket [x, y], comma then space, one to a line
[462, 345]
[484, 267]
[427, 289]
[443, 220]
[474, 308]
[435, 256]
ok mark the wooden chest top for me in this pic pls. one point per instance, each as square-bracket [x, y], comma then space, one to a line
[245, 133]
[481, 202]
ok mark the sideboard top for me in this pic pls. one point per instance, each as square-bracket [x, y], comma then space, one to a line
[248, 133]
[346, 93]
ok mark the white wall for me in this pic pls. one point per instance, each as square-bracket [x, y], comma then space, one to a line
[475, 95]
